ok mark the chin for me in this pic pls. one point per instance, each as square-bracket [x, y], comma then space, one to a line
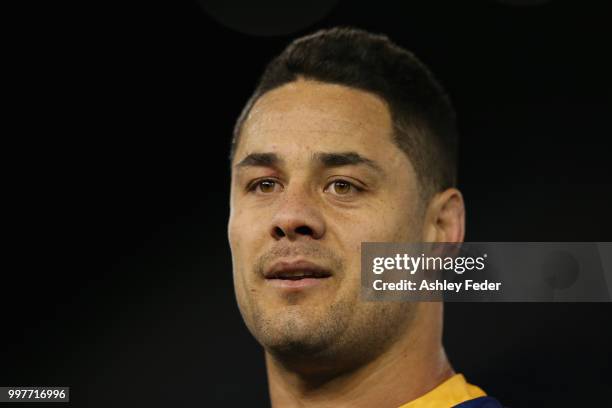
[294, 332]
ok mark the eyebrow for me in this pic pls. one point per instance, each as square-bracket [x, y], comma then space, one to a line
[346, 159]
[329, 160]
[260, 160]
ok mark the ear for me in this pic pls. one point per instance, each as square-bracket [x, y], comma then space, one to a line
[445, 217]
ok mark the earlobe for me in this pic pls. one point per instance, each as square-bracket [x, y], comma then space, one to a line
[445, 217]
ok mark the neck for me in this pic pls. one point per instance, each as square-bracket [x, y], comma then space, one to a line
[407, 369]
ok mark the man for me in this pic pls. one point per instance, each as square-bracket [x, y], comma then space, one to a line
[347, 139]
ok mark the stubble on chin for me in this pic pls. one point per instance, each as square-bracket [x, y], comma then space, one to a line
[340, 332]
[297, 324]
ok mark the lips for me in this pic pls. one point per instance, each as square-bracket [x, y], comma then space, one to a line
[297, 270]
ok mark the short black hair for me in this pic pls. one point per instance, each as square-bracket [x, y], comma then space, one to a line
[422, 114]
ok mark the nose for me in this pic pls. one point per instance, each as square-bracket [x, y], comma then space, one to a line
[297, 216]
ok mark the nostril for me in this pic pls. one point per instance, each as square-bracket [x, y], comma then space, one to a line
[279, 232]
[292, 233]
[304, 230]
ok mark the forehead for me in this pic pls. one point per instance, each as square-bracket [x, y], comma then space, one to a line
[313, 115]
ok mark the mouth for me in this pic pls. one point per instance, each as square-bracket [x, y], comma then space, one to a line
[296, 275]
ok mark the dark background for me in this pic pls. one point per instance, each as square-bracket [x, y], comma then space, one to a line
[117, 273]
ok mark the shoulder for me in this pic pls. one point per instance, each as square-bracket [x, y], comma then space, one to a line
[480, 402]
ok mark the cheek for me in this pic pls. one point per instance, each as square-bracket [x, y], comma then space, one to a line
[233, 233]
[240, 256]
[385, 223]
[245, 234]
[396, 219]
[236, 236]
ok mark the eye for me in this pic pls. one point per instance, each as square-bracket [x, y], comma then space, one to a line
[342, 187]
[265, 186]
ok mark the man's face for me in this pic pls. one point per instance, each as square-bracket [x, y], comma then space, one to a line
[315, 174]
